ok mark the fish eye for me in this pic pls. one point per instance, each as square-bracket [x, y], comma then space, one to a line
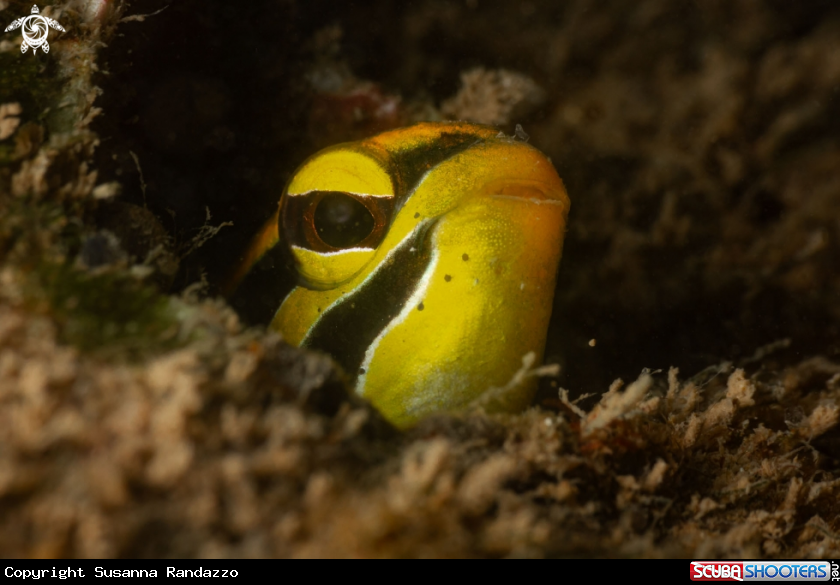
[342, 221]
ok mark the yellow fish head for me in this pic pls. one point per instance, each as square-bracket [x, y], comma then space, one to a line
[427, 259]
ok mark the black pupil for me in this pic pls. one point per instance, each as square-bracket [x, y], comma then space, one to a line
[341, 221]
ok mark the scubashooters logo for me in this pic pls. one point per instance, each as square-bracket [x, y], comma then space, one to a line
[764, 571]
[35, 29]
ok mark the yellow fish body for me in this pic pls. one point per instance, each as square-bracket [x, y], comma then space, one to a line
[427, 258]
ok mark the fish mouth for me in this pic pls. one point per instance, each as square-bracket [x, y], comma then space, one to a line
[529, 191]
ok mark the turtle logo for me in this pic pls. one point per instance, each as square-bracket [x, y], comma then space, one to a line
[35, 29]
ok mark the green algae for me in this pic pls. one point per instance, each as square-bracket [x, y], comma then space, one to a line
[26, 79]
[108, 312]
